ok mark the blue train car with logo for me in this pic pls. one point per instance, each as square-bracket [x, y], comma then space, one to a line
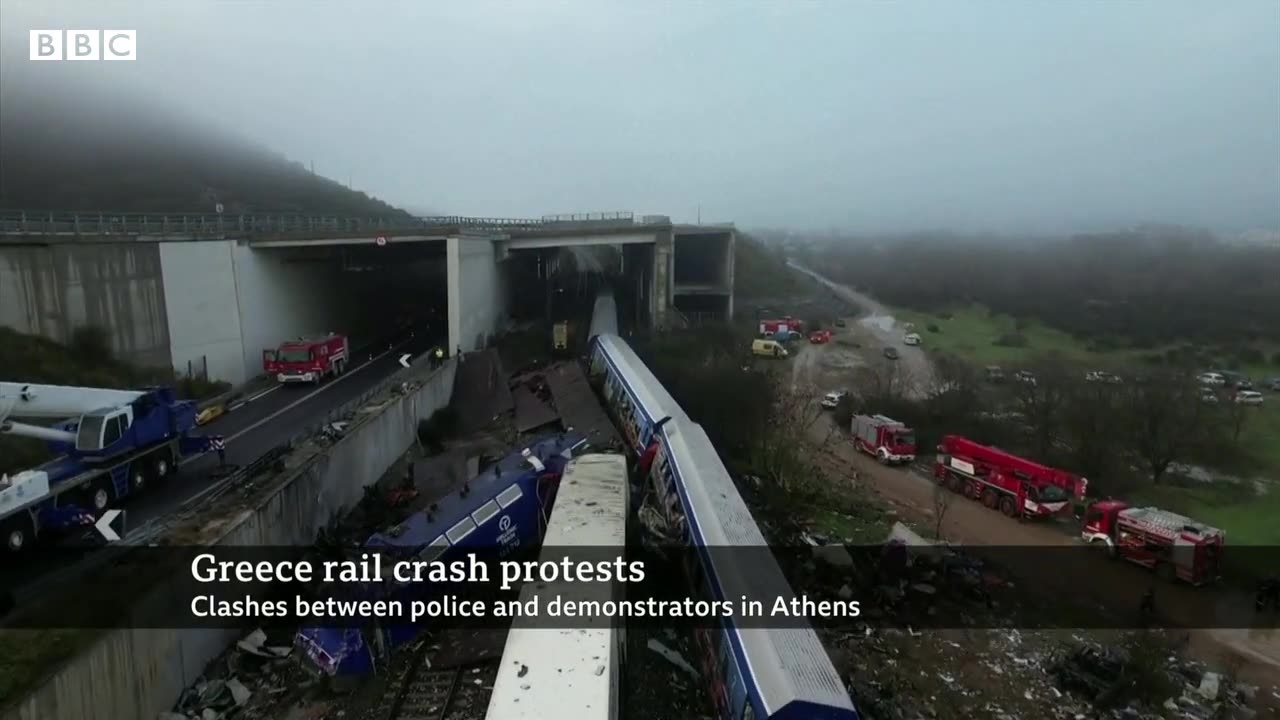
[502, 511]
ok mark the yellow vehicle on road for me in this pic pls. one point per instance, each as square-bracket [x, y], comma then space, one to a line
[768, 348]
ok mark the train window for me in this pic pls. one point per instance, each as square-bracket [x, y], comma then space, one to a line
[461, 530]
[509, 496]
[434, 550]
[485, 512]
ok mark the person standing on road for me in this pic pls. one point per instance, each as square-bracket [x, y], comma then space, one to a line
[439, 356]
[220, 445]
[458, 354]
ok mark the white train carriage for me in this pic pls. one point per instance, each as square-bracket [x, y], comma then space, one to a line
[640, 403]
[571, 672]
[604, 317]
[756, 673]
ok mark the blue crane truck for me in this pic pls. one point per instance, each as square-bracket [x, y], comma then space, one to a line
[115, 444]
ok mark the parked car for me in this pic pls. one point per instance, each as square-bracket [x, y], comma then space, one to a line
[1235, 380]
[1103, 376]
[833, 398]
[1248, 397]
[995, 374]
[820, 337]
[1208, 396]
[891, 353]
[911, 339]
[1025, 376]
[1274, 384]
[1212, 379]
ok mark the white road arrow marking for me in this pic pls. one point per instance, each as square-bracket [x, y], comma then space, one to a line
[404, 360]
[104, 525]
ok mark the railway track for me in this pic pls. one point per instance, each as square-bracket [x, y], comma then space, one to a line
[423, 693]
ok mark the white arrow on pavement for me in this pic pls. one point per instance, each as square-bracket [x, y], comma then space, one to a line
[404, 360]
[104, 525]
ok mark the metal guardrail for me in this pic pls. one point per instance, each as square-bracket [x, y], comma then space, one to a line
[620, 216]
[111, 224]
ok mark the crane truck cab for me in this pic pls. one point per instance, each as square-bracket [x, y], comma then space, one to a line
[1172, 545]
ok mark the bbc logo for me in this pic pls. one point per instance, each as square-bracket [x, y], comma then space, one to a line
[84, 44]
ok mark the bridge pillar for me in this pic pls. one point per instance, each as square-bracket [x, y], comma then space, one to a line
[662, 291]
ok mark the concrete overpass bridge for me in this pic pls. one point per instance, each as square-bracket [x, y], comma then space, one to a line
[207, 293]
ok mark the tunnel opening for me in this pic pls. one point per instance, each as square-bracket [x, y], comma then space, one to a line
[381, 297]
[701, 259]
[558, 286]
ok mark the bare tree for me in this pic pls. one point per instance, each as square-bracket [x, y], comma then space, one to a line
[1041, 401]
[954, 390]
[1165, 417]
[1237, 416]
[942, 498]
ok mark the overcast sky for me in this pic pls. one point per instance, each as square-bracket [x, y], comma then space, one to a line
[1011, 116]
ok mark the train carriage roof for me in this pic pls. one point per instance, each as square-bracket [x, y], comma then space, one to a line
[789, 665]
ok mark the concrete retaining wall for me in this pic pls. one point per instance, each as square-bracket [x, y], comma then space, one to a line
[119, 287]
[132, 673]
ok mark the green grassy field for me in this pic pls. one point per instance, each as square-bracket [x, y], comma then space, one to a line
[971, 333]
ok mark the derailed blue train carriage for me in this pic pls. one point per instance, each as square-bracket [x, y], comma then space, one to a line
[502, 511]
[755, 673]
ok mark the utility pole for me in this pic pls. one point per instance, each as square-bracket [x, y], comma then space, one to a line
[699, 213]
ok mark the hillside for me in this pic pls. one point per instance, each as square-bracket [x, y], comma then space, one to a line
[134, 157]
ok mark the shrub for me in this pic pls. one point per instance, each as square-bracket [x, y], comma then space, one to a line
[933, 328]
[1250, 356]
[1016, 340]
[946, 315]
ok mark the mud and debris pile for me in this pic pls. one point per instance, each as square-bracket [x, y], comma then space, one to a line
[964, 665]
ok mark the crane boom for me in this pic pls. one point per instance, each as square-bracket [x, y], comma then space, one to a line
[58, 402]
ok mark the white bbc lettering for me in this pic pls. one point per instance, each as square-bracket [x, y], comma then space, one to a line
[119, 44]
[46, 44]
[83, 45]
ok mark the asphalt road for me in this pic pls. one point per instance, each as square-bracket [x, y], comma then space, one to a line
[249, 431]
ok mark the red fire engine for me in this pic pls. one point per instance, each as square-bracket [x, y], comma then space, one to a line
[885, 439]
[1173, 545]
[1016, 486]
[784, 327]
[309, 360]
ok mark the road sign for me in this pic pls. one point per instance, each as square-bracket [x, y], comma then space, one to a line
[404, 360]
[380, 240]
[104, 525]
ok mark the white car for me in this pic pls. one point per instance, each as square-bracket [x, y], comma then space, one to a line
[1025, 376]
[1208, 396]
[911, 339]
[1101, 376]
[1249, 397]
[1212, 379]
[833, 398]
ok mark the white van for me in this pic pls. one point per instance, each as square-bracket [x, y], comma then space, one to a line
[911, 339]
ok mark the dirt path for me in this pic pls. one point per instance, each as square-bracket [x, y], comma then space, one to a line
[879, 328]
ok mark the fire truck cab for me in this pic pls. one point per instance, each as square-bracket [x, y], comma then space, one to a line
[1173, 545]
[307, 360]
